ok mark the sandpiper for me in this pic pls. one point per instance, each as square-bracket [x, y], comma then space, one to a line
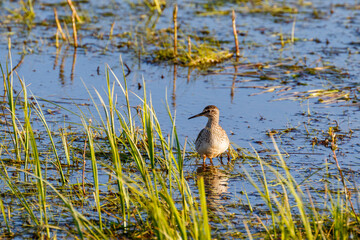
[212, 140]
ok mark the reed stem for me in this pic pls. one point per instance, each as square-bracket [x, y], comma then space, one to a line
[175, 29]
[235, 34]
[74, 11]
[74, 30]
[59, 25]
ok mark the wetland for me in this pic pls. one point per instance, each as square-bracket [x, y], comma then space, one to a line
[95, 141]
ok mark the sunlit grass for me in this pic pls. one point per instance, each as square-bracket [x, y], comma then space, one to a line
[151, 201]
[295, 212]
[201, 55]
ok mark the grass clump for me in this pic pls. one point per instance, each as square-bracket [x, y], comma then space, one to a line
[206, 55]
[201, 55]
[299, 212]
[147, 194]
[274, 8]
[23, 14]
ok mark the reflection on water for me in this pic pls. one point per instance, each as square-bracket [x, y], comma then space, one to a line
[73, 65]
[65, 55]
[174, 87]
[216, 183]
[62, 66]
[233, 84]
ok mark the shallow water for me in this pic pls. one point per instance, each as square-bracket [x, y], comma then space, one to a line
[247, 114]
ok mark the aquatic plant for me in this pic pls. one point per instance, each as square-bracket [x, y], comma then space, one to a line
[155, 200]
[295, 212]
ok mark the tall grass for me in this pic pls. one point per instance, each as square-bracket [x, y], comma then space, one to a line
[154, 187]
[37, 167]
[156, 200]
[294, 214]
[8, 86]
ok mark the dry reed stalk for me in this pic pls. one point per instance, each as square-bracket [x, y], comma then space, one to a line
[189, 47]
[293, 31]
[18, 64]
[74, 30]
[175, 29]
[347, 192]
[74, 11]
[235, 34]
[111, 30]
[59, 25]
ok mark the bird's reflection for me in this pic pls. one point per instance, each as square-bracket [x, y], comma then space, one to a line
[216, 184]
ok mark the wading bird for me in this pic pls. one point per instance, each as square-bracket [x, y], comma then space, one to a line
[212, 140]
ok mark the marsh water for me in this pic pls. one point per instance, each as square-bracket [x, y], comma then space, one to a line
[296, 77]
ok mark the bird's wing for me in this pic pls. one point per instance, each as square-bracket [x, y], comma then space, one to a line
[203, 134]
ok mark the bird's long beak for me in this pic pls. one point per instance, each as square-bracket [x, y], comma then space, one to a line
[197, 115]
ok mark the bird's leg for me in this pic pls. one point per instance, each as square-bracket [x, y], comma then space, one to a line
[204, 158]
[211, 161]
[228, 154]
[221, 160]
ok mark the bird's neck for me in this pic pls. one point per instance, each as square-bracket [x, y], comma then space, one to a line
[212, 122]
